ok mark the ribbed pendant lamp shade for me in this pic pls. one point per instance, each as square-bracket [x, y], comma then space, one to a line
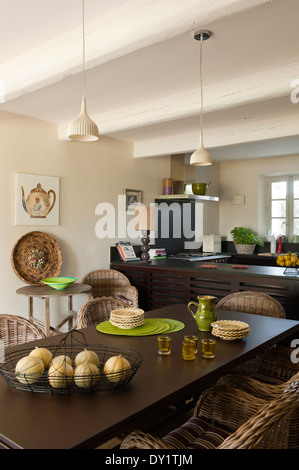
[201, 156]
[83, 128]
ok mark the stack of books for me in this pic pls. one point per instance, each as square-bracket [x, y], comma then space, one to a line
[157, 253]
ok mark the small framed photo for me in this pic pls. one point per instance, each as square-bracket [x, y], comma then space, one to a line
[133, 196]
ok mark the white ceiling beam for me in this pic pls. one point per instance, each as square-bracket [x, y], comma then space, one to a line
[110, 36]
[261, 86]
[220, 137]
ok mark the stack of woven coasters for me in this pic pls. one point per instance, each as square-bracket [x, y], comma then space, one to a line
[127, 318]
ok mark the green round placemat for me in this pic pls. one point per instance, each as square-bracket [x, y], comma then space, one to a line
[150, 327]
[175, 325]
[160, 327]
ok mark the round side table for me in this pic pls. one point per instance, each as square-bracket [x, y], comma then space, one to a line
[46, 292]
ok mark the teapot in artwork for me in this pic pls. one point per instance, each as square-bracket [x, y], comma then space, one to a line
[38, 203]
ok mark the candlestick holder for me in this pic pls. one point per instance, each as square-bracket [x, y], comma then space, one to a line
[145, 245]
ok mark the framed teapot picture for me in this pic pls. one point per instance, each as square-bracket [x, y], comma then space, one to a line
[36, 200]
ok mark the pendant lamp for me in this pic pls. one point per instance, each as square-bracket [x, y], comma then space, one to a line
[201, 156]
[83, 129]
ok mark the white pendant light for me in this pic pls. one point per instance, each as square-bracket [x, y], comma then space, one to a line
[201, 156]
[83, 128]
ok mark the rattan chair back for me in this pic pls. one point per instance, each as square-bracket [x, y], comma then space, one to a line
[97, 310]
[276, 373]
[252, 302]
[15, 330]
[279, 362]
[275, 426]
[109, 283]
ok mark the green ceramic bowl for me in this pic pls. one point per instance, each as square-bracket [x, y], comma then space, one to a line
[199, 189]
[59, 283]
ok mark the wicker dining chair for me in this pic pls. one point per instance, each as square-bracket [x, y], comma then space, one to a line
[275, 367]
[217, 414]
[227, 410]
[280, 363]
[109, 282]
[252, 302]
[97, 310]
[275, 374]
[256, 303]
[227, 417]
[271, 427]
[15, 330]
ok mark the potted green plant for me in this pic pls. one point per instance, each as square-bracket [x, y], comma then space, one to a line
[245, 240]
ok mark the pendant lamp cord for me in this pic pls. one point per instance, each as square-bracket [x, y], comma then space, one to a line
[83, 42]
[201, 93]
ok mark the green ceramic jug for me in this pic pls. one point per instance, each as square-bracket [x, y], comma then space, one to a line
[206, 312]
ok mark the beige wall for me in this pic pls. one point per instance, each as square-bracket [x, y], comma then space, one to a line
[90, 173]
[246, 177]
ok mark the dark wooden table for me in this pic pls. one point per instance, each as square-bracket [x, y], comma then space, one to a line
[42, 421]
[46, 293]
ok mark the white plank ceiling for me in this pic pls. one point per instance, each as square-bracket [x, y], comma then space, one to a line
[143, 71]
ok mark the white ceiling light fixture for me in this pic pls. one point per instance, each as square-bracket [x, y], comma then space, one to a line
[83, 128]
[201, 156]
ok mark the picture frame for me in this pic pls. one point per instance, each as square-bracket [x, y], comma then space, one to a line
[133, 197]
[36, 200]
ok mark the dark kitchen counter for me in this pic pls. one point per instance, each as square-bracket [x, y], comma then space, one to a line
[169, 281]
[227, 268]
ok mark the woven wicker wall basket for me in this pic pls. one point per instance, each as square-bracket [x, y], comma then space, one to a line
[36, 256]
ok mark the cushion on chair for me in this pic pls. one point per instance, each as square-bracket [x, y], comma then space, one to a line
[123, 298]
[197, 433]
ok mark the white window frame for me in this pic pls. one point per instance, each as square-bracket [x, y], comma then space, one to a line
[289, 179]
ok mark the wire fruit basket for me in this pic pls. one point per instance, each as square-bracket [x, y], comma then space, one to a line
[70, 346]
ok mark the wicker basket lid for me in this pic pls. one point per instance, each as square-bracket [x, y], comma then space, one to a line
[36, 256]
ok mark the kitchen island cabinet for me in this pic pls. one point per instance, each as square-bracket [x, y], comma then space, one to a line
[166, 282]
[257, 260]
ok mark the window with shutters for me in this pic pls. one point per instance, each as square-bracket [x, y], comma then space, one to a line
[282, 207]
